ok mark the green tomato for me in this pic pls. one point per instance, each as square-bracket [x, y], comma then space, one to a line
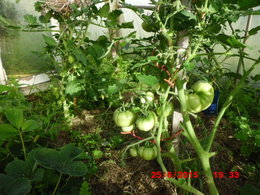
[128, 129]
[124, 119]
[142, 100]
[155, 151]
[146, 123]
[140, 151]
[202, 97]
[149, 96]
[133, 152]
[168, 110]
[206, 93]
[155, 117]
[194, 103]
[71, 59]
[148, 153]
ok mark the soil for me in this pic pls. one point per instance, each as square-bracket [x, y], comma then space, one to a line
[133, 178]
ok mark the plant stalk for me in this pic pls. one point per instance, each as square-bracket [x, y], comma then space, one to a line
[202, 154]
[57, 185]
[248, 24]
[23, 145]
[228, 103]
[159, 156]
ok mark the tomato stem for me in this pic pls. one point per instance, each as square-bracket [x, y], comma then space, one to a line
[203, 155]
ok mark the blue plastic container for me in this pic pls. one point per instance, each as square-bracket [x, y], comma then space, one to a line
[213, 108]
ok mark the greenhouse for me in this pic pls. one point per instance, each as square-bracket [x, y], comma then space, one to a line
[140, 97]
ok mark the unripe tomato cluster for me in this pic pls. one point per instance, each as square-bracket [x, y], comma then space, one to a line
[147, 153]
[128, 119]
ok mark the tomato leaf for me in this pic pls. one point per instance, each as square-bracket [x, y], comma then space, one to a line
[30, 19]
[246, 4]
[148, 80]
[73, 88]
[80, 55]
[189, 66]
[230, 41]
[127, 25]
[112, 89]
[254, 31]
[49, 41]
[104, 11]
[233, 74]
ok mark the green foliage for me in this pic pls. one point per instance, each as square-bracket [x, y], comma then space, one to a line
[13, 185]
[7, 131]
[62, 161]
[249, 189]
[24, 175]
[247, 133]
[7, 10]
[13, 98]
[97, 154]
[203, 26]
[148, 80]
[47, 108]
[15, 117]
[38, 171]
[85, 190]
[91, 58]
[120, 71]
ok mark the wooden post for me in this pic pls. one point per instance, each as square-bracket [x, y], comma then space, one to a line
[183, 43]
[113, 5]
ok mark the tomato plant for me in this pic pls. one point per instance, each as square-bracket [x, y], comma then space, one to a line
[182, 46]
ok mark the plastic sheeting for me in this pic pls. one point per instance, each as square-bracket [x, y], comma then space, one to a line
[3, 77]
